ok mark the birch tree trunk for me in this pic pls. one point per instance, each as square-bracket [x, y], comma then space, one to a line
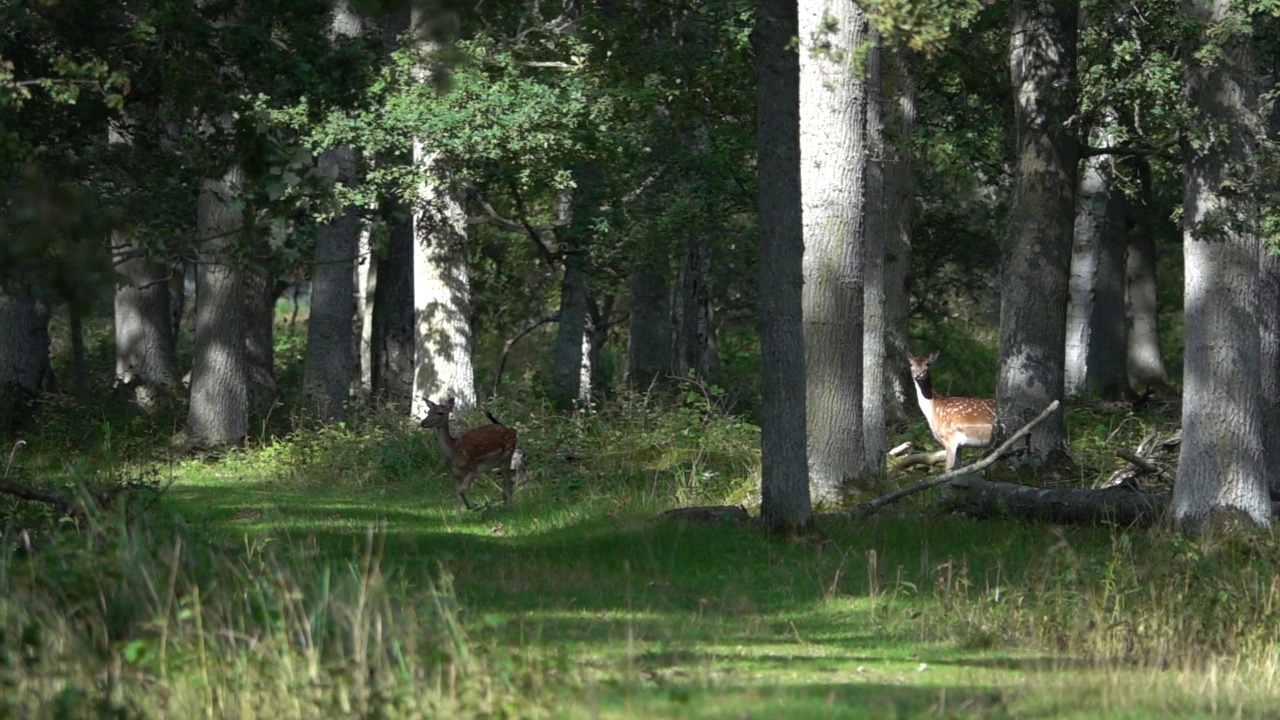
[834, 156]
[1220, 483]
[571, 385]
[1037, 251]
[785, 507]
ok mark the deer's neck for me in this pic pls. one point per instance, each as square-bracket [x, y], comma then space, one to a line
[924, 393]
[446, 440]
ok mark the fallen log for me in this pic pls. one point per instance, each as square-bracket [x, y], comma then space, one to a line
[1119, 505]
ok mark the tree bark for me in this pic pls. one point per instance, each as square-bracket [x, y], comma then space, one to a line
[327, 367]
[219, 409]
[1096, 343]
[146, 364]
[649, 329]
[393, 315]
[899, 210]
[365, 284]
[260, 322]
[1037, 252]
[1269, 365]
[1220, 483]
[1119, 506]
[569, 386]
[875, 371]
[24, 352]
[1144, 362]
[835, 153]
[786, 507]
[695, 340]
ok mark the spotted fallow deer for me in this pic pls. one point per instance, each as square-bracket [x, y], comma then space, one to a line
[480, 449]
[957, 422]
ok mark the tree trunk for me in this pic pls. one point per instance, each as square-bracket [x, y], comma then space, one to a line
[365, 283]
[146, 364]
[1220, 483]
[569, 386]
[24, 352]
[393, 316]
[327, 366]
[785, 507]
[1269, 365]
[443, 365]
[219, 409]
[900, 213]
[441, 298]
[649, 329]
[1117, 506]
[1037, 251]
[1144, 363]
[260, 323]
[694, 320]
[1086, 253]
[875, 372]
[326, 376]
[834, 155]
[1106, 376]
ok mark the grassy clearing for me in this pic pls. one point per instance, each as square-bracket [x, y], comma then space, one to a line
[320, 573]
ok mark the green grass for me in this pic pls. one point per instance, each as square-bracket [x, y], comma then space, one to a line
[319, 572]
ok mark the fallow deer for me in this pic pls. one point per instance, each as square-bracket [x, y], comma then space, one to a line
[957, 422]
[489, 447]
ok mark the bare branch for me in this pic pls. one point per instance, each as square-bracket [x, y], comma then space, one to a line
[870, 508]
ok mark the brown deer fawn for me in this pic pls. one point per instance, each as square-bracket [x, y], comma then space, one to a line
[957, 422]
[489, 447]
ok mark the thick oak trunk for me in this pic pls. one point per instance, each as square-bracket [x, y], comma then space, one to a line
[24, 352]
[1037, 250]
[834, 156]
[146, 365]
[786, 507]
[219, 409]
[649, 329]
[1220, 475]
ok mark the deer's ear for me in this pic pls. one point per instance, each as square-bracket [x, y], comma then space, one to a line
[933, 356]
[449, 404]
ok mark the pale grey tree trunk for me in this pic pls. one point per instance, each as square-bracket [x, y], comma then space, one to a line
[875, 372]
[24, 352]
[1037, 250]
[900, 212]
[327, 366]
[1220, 483]
[443, 364]
[145, 325]
[834, 157]
[146, 364]
[441, 297]
[1096, 325]
[786, 506]
[365, 283]
[219, 408]
[1144, 362]
[1086, 253]
[648, 328]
